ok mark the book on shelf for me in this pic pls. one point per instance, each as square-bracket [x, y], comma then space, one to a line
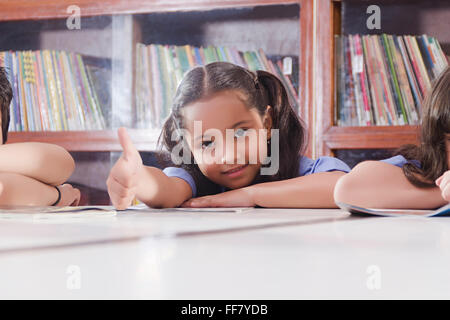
[383, 79]
[160, 68]
[52, 91]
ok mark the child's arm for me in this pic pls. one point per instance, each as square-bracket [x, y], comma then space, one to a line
[47, 163]
[160, 191]
[376, 184]
[18, 190]
[309, 191]
[129, 178]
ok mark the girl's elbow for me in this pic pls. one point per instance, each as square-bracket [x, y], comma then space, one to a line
[68, 168]
[352, 187]
[63, 163]
[344, 189]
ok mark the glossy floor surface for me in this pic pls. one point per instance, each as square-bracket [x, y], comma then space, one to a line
[257, 254]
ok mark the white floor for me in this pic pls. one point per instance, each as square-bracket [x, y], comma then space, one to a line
[263, 254]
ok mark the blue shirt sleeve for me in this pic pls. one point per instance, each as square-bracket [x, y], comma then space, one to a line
[400, 161]
[322, 164]
[182, 174]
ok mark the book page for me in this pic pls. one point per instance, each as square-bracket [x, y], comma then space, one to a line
[443, 211]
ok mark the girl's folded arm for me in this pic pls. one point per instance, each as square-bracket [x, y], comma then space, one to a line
[310, 191]
[16, 189]
[47, 163]
[157, 190]
[376, 184]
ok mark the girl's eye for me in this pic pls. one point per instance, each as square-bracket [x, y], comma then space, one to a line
[207, 144]
[240, 132]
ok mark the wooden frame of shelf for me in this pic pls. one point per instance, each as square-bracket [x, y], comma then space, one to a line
[107, 140]
[326, 136]
[57, 9]
[376, 137]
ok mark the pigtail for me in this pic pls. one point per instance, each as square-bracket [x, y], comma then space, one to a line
[284, 118]
[165, 137]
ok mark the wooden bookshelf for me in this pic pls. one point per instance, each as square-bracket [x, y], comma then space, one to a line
[319, 21]
[327, 137]
[145, 140]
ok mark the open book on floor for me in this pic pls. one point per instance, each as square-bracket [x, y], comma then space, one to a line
[441, 212]
[8, 212]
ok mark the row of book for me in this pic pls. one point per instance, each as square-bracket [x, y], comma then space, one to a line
[383, 79]
[160, 69]
[53, 91]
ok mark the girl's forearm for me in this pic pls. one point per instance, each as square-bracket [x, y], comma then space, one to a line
[47, 163]
[20, 190]
[312, 191]
[160, 191]
[375, 184]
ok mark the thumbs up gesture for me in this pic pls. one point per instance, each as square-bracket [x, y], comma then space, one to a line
[123, 179]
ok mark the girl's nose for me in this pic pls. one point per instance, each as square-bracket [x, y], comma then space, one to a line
[228, 154]
[232, 154]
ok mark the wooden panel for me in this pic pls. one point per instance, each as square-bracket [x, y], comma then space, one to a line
[144, 140]
[48, 9]
[306, 62]
[386, 137]
[323, 75]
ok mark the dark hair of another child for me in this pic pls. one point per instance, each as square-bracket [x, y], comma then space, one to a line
[5, 100]
[435, 128]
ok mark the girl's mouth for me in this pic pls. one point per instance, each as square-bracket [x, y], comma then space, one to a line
[236, 171]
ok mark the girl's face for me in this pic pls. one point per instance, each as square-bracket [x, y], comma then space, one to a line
[233, 157]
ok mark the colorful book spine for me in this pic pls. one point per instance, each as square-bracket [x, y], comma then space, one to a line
[168, 64]
[52, 91]
[387, 85]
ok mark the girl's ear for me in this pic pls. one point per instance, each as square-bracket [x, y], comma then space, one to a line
[267, 120]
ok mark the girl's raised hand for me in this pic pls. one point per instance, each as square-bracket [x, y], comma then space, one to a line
[123, 179]
[443, 182]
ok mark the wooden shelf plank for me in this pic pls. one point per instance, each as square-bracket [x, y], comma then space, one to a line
[54, 9]
[143, 139]
[376, 137]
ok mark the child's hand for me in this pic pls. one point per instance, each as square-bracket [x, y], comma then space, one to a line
[123, 180]
[443, 182]
[70, 196]
[242, 197]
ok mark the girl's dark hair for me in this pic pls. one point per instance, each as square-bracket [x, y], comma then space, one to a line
[5, 100]
[260, 89]
[435, 125]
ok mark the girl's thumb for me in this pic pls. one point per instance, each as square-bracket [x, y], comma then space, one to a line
[129, 150]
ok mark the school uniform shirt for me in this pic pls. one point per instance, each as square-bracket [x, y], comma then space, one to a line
[306, 166]
[400, 161]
